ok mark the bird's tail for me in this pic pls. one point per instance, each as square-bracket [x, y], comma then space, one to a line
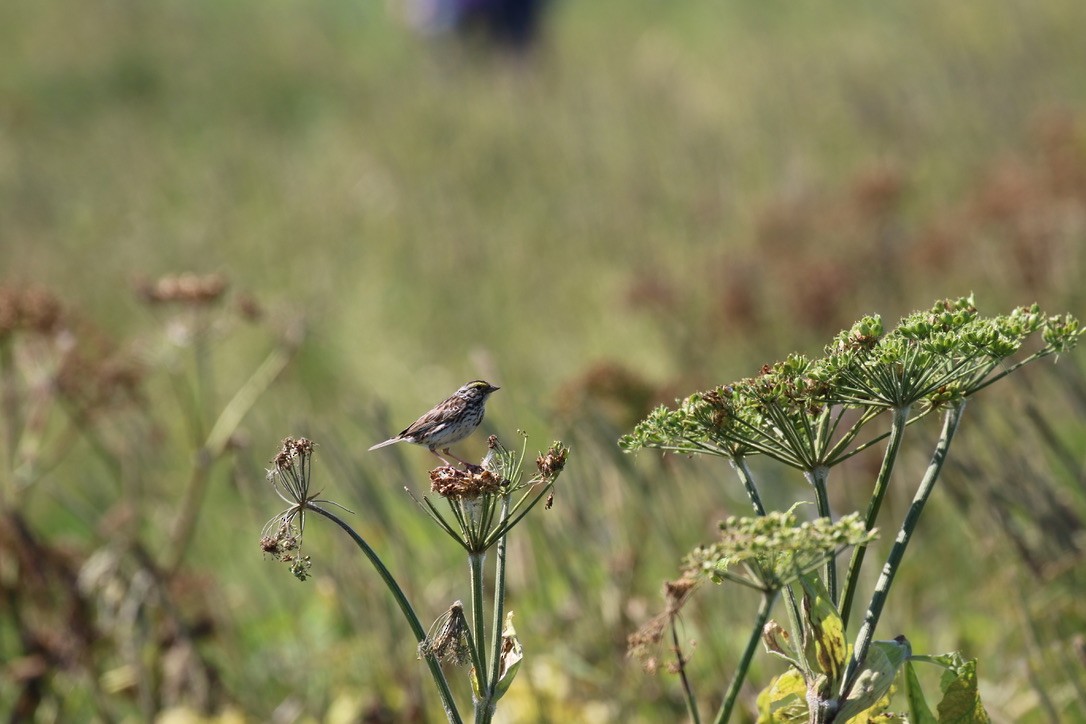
[389, 441]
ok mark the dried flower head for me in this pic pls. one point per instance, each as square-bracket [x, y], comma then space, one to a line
[643, 643]
[285, 545]
[184, 289]
[93, 375]
[290, 477]
[450, 482]
[447, 640]
[486, 501]
[551, 464]
[29, 309]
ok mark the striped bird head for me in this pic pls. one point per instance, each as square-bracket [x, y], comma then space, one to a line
[476, 390]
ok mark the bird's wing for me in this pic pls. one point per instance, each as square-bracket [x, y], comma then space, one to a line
[436, 418]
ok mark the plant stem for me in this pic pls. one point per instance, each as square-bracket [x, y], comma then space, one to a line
[499, 615]
[747, 479]
[768, 597]
[680, 664]
[745, 476]
[475, 566]
[897, 433]
[817, 478]
[214, 446]
[10, 418]
[409, 613]
[893, 561]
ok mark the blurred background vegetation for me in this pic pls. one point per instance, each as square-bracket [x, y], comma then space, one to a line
[652, 198]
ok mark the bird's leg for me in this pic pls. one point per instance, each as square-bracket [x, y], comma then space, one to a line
[470, 466]
[447, 463]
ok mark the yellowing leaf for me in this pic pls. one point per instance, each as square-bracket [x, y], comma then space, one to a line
[784, 700]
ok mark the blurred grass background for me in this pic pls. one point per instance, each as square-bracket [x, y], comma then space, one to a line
[656, 198]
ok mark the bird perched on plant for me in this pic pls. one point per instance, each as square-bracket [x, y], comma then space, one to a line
[449, 422]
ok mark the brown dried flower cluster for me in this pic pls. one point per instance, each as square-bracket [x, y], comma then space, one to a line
[642, 643]
[293, 448]
[450, 482]
[447, 640]
[29, 309]
[92, 380]
[552, 463]
[187, 289]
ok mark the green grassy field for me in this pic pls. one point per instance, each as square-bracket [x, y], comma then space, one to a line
[663, 196]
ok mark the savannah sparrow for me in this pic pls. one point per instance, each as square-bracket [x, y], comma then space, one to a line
[451, 421]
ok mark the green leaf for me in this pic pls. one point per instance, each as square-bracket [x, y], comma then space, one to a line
[869, 695]
[961, 700]
[919, 712]
[784, 700]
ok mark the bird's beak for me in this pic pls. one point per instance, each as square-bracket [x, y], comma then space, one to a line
[493, 389]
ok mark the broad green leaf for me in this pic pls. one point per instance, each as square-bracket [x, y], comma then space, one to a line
[919, 712]
[869, 694]
[784, 700]
[961, 700]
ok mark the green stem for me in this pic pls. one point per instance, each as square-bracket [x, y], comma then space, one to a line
[747, 479]
[214, 446]
[409, 613]
[475, 566]
[499, 615]
[817, 478]
[897, 433]
[201, 351]
[744, 664]
[745, 476]
[893, 561]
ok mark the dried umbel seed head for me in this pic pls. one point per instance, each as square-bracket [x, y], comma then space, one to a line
[551, 464]
[676, 592]
[293, 448]
[186, 289]
[248, 307]
[450, 482]
[92, 381]
[448, 637]
[31, 309]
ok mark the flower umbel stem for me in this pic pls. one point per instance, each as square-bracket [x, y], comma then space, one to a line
[438, 675]
[499, 615]
[725, 712]
[817, 478]
[882, 483]
[893, 561]
[475, 568]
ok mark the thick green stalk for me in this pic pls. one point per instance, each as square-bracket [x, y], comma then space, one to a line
[893, 561]
[817, 478]
[409, 613]
[897, 433]
[728, 705]
[475, 566]
[499, 615]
